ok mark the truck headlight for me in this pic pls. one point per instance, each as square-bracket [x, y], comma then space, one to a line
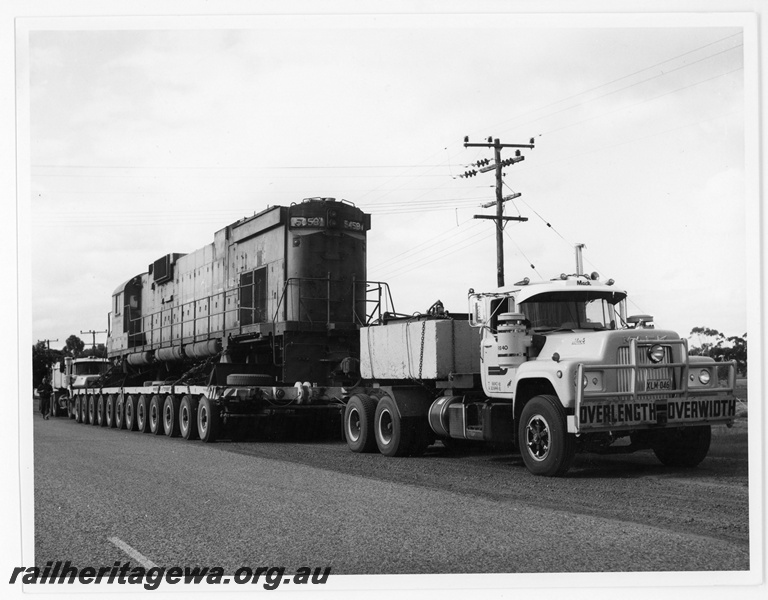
[704, 376]
[656, 353]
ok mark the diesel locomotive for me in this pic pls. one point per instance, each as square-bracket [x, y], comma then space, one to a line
[280, 294]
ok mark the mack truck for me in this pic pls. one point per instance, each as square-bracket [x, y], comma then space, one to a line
[555, 368]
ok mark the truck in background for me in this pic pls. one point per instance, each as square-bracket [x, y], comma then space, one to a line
[72, 374]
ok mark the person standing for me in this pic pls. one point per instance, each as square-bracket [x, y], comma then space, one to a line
[45, 390]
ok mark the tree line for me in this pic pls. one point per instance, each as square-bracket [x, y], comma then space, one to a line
[43, 357]
[712, 343]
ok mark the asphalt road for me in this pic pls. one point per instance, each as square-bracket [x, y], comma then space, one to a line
[104, 496]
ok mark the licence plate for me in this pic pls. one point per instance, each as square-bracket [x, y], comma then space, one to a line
[658, 384]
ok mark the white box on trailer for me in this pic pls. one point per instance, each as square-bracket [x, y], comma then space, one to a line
[419, 349]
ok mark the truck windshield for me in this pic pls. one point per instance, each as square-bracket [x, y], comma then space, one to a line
[570, 311]
[90, 368]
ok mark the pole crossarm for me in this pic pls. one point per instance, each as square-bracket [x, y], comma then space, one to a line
[495, 218]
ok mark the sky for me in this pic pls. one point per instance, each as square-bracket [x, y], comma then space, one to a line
[147, 136]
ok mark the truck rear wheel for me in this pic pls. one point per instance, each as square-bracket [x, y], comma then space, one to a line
[683, 446]
[358, 423]
[171, 415]
[156, 416]
[78, 410]
[545, 444]
[207, 420]
[142, 414]
[188, 417]
[393, 437]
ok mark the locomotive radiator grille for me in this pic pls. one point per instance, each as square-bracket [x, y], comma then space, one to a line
[648, 371]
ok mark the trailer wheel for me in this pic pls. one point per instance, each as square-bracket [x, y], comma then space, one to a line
[119, 411]
[248, 379]
[207, 420]
[358, 423]
[129, 411]
[91, 409]
[188, 417]
[545, 444]
[683, 446]
[156, 416]
[109, 411]
[171, 415]
[142, 414]
[392, 438]
[101, 411]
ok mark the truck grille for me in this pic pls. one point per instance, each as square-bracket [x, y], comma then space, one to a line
[653, 372]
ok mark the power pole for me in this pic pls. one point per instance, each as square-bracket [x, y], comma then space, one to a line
[93, 333]
[500, 199]
[48, 343]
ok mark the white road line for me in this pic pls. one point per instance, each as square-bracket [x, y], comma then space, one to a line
[133, 553]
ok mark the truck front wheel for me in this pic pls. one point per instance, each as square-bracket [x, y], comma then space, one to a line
[358, 423]
[545, 444]
[682, 447]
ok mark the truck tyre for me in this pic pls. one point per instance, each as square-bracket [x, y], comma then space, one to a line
[78, 410]
[248, 379]
[545, 444]
[142, 414]
[129, 413]
[188, 417]
[156, 416]
[109, 411]
[91, 409]
[101, 410]
[54, 405]
[171, 415]
[682, 446]
[358, 423]
[393, 437]
[207, 420]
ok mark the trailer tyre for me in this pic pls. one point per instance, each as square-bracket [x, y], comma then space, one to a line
[142, 414]
[358, 423]
[207, 420]
[545, 444]
[171, 415]
[119, 411]
[682, 447]
[101, 410]
[109, 411]
[129, 412]
[156, 416]
[188, 417]
[91, 409]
